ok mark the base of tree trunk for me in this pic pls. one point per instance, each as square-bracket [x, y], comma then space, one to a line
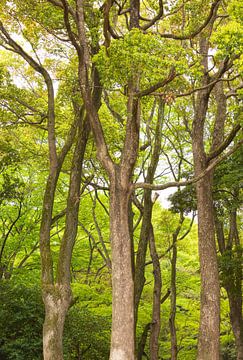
[57, 300]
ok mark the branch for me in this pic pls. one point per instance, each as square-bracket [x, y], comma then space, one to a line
[68, 27]
[165, 297]
[15, 47]
[233, 92]
[156, 18]
[210, 84]
[106, 260]
[60, 5]
[196, 32]
[27, 256]
[190, 227]
[160, 84]
[84, 80]
[9, 231]
[187, 182]
[224, 144]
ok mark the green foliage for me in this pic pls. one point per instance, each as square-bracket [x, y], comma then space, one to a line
[39, 28]
[229, 36]
[230, 266]
[10, 182]
[86, 335]
[145, 54]
[21, 319]
[184, 200]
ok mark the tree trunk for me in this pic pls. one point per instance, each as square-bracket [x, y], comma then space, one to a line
[57, 296]
[174, 349]
[235, 298]
[208, 342]
[122, 337]
[142, 249]
[57, 299]
[209, 329]
[232, 283]
[142, 342]
[147, 212]
[235, 303]
[155, 325]
[173, 300]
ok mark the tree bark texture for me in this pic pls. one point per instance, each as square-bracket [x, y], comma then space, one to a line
[208, 342]
[209, 329]
[57, 295]
[57, 299]
[122, 338]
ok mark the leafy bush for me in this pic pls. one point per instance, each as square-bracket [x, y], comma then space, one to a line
[21, 318]
[86, 335]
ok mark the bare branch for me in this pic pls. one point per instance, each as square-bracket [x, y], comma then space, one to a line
[224, 144]
[191, 181]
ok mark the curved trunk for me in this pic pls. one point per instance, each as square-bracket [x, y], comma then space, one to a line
[122, 336]
[57, 296]
[57, 299]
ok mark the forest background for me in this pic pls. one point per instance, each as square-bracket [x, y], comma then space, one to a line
[103, 107]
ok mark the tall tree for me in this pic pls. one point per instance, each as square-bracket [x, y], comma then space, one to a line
[56, 290]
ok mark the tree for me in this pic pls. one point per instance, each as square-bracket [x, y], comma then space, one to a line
[56, 293]
[165, 56]
[226, 206]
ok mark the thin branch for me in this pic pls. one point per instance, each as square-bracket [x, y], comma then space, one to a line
[9, 231]
[191, 181]
[160, 84]
[156, 18]
[224, 144]
[196, 32]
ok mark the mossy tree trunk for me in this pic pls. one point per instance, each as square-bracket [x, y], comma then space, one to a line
[122, 339]
[57, 299]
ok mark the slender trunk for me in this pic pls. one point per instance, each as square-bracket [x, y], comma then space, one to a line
[155, 325]
[57, 299]
[232, 283]
[147, 212]
[173, 334]
[142, 342]
[235, 303]
[122, 337]
[57, 296]
[142, 250]
[173, 300]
